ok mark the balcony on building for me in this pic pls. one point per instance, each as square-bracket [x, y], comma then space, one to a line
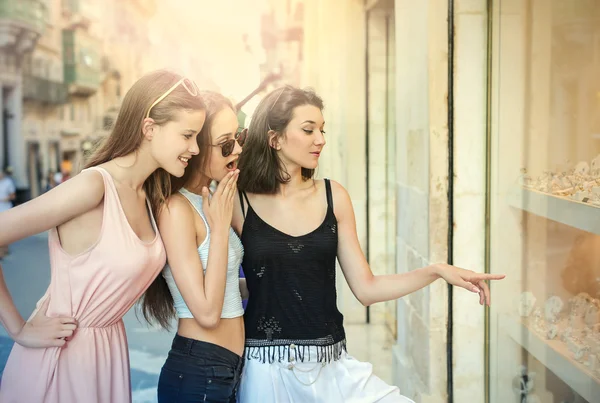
[22, 22]
[44, 91]
[82, 67]
[76, 14]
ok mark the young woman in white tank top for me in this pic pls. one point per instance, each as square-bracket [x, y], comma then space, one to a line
[200, 283]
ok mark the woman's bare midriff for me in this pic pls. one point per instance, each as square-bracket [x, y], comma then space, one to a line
[228, 334]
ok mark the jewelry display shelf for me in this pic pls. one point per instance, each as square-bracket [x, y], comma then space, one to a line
[555, 355]
[570, 212]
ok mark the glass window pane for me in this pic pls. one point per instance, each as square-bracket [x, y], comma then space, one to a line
[545, 224]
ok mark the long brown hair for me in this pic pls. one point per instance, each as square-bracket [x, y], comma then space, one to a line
[126, 137]
[261, 169]
[157, 304]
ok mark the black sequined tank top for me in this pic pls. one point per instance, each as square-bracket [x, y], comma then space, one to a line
[292, 286]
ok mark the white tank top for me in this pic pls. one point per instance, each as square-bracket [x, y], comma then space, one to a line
[232, 306]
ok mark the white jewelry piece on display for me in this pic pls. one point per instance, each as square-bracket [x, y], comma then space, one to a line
[539, 324]
[592, 340]
[552, 331]
[577, 308]
[524, 179]
[523, 382]
[566, 334]
[544, 183]
[589, 185]
[595, 166]
[575, 344]
[562, 184]
[553, 308]
[578, 349]
[592, 313]
[582, 168]
[526, 304]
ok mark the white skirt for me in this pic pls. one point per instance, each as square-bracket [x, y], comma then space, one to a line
[346, 380]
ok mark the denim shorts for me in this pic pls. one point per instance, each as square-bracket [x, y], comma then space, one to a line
[197, 371]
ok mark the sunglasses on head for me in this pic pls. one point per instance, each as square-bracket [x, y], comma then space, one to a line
[186, 83]
[228, 146]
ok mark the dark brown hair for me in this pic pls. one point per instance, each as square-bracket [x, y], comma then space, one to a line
[261, 169]
[157, 304]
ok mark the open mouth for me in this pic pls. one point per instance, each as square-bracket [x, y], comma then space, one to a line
[232, 165]
[184, 160]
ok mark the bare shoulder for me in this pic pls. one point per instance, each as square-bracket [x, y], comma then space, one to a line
[90, 181]
[85, 189]
[342, 204]
[177, 206]
[319, 184]
[180, 222]
[341, 197]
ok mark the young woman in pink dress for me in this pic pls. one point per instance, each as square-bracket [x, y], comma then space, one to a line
[105, 250]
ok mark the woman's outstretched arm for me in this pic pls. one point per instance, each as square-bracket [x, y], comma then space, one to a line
[370, 289]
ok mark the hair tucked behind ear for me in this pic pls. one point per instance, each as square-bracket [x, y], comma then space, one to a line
[126, 137]
[261, 170]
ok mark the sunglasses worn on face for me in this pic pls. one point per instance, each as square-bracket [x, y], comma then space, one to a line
[186, 83]
[228, 146]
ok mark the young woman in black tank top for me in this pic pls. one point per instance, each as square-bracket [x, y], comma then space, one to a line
[293, 229]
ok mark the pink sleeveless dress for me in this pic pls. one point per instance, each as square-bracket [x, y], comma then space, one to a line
[97, 287]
